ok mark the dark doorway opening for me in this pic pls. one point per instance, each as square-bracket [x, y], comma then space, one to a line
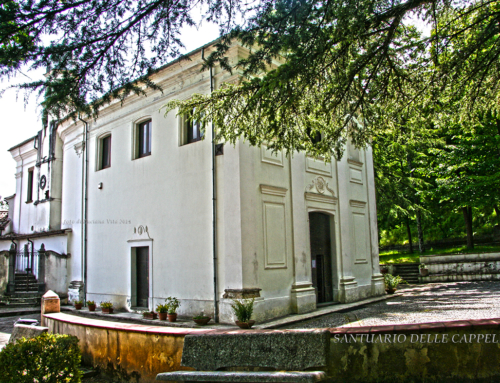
[321, 256]
[142, 275]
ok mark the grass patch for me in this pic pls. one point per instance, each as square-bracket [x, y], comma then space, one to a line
[395, 256]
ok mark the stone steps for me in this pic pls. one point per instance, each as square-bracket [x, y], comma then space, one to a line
[25, 291]
[408, 271]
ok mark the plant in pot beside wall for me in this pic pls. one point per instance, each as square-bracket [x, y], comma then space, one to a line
[78, 305]
[201, 319]
[243, 310]
[149, 315]
[424, 271]
[172, 303]
[107, 307]
[91, 305]
[392, 282]
[162, 311]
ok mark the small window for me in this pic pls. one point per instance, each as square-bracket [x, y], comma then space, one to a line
[105, 160]
[144, 139]
[192, 130]
[314, 137]
[29, 195]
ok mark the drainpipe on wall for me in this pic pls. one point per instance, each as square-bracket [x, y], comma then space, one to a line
[85, 174]
[31, 255]
[214, 205]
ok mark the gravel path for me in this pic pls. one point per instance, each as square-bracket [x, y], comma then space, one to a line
[420, 304]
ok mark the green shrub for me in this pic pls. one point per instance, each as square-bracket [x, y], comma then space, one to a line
[107, 305]
[162, 308]
[173, 304]
[47, 358]
[243, 309]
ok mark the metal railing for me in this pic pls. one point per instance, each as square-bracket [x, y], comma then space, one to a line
[27, 262]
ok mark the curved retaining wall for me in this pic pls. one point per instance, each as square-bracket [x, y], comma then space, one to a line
[458, 351]
[130, 352]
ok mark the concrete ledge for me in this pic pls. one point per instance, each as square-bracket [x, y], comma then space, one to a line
[119, 326]
[473, 324]
[459, 258]
[244, 376]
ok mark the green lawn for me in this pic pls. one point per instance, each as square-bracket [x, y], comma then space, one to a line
[394, 256]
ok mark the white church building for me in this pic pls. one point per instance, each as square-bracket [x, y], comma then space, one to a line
[133, 207]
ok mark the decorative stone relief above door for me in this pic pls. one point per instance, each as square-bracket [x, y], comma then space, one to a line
[141, 233]
[320, 185]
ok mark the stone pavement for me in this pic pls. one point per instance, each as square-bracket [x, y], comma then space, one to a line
[433, 302]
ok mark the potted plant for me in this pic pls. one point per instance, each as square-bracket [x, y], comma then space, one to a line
[172, 303]
[243, 310]
[162, 311]
[78, 304]
[392, 282]
[424, 271]
[149, 315]
[107, 307]
[201, 320]
[91, 305]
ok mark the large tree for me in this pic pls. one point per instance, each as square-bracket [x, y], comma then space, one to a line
[467, 169]
[349, 68]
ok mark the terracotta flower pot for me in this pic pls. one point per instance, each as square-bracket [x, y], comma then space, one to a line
[78, 306]
[151, 316]
[172, 317]
[107, 311]
[245, 325]
[424, 272]
[391, 291]
[202, 321]
[163, 316]
[91, 307]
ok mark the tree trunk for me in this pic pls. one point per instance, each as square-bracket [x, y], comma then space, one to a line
[408, 229]
[421, 246]
[467, 211]
[497, 210]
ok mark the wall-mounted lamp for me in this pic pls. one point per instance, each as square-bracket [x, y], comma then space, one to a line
[99, 185]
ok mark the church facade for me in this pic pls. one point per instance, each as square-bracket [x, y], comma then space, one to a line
[135, 206]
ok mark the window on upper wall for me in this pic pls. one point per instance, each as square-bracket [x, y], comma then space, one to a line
[105, 152]
[29, 193]
[314, 137]
[191, 130]
[143, 139]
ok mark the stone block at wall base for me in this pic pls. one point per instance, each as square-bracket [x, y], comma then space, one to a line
[24, 331]
[75, 291]
[348, 290]
[378, 285]
[303, 298]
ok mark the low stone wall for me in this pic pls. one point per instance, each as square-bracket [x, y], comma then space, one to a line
[459, 351]
[461, 267]
[128, 352]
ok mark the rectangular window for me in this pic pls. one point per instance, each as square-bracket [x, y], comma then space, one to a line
[29, 196]
[106, 152]
[144, 138]
[194, 131]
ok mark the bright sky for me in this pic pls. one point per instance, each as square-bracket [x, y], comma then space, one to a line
[20, 122]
